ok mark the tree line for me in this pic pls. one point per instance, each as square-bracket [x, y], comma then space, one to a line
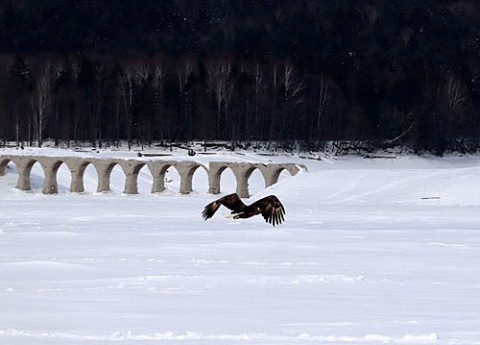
[396, 72]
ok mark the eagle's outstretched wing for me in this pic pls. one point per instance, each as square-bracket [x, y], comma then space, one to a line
[272, 209]
[231, 201]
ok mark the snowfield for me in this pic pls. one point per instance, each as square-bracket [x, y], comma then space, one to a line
[373, 251]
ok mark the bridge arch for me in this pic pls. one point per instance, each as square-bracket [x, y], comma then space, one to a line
[215, 172]
[241, 171]
[271, 173]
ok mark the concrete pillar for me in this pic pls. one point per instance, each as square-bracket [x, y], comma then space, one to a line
[271, 173]
[158, 170]
[104, 170]
[24, 167]
[131, 168]
[77, 168]
[50, 167]
[186, 171]
[242, 172]
[215, 170]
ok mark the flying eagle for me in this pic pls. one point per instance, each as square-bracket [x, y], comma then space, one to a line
[270, 207]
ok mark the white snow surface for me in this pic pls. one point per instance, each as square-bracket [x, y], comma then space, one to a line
[372, 251]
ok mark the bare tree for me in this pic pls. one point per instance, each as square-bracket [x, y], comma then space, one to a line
[184, 71]
[406, 35]
[135, 73]
[220, 84]
[142, 73]
[273, 112]
[41, 99]
[293, 87]
[75, 66]
[456, 96]
[457, 105]
[18, 92]
[57, 69]
[159, 80]
[322, 102]
[128, 83]
[259, 89]
[5, 62]
[372, 13]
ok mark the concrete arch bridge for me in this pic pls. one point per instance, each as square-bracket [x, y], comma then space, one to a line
[132, 167]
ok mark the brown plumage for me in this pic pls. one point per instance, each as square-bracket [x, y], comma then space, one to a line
[270, 207]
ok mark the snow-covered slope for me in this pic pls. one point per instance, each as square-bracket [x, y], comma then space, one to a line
[372, 251]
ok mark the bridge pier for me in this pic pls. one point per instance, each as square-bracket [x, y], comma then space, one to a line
[50, 185]
[24, 167]
[50, 167]
[131, 168]
[186, 171]
[77, 168]
[104, 170]
[158, 170]
[242, 172]
[214, 173]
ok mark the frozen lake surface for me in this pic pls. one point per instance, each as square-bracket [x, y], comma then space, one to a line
[373, 251]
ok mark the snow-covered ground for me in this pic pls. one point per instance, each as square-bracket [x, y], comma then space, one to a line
[372, 251]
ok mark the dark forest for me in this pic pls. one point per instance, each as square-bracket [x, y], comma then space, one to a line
[396, 72]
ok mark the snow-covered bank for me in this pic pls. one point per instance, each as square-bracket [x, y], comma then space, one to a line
[373, 251]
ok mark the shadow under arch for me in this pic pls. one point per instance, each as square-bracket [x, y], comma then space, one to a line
[227, 181]
[283, 174]
[194, 172]
[63, 176]
[255, 180]
[89, 179]
[144, 180]
[36, 177]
